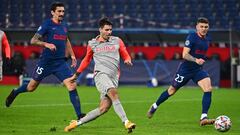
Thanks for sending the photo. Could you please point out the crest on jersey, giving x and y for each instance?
(187, 42)
(39, 28)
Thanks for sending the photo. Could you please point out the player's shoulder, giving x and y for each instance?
(114, 38)
(92, 42)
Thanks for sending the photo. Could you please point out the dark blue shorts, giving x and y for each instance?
(181, 78)
(60, 69)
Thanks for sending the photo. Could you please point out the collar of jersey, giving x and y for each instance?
(103, 41)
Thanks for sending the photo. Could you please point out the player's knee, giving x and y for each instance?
(171, 91)
(104, 108)
(71, 86)
(112, 93)
(208, 89)
(31, 88)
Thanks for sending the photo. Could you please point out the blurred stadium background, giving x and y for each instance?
(153, 30)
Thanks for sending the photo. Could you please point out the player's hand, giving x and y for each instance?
(200, 61)
(73, 78)
(74, 61)
(52, 47)
(128, 62)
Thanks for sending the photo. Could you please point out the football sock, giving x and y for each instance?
(204, 115)
(75, 102)
(90, 116)
(206, 101)
(163, 97)
(118, 108)
(21, 89)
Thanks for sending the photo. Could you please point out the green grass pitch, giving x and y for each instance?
(48, 110)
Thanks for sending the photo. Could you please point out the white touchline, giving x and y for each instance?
(96, 103)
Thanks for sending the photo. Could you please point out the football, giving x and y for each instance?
(222, 123)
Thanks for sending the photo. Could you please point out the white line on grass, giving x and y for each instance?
(96, 103)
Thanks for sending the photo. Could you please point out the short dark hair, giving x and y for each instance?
(104, 21)
(55, 5)
(202, 20)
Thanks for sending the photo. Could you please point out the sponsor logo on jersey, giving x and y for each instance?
(59, 37)
(106, 49)
(200, 52)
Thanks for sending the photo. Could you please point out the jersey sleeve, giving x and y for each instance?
(123, 51)
(86, 60)
(42, 30)
(189, 41)
(6, 46)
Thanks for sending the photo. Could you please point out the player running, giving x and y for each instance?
(106, 51)
(52, 61)
(194, 55)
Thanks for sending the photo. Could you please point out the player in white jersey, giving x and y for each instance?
(106, 51)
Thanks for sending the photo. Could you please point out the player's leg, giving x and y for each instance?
(30, 87)
(179, 80)
(204, 82)
(162, 98)
(118, 108)
(104, 106)
(63, 72)
(107, 85)
(74, 98)
(39, 73)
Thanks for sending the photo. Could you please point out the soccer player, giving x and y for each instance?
(52, 61)
(106, 51)
(4, 47)
(194, 55)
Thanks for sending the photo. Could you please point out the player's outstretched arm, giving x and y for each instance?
(36, 40)
(86, 61)
(84, 64)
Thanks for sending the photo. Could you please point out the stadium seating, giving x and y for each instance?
(222, 14)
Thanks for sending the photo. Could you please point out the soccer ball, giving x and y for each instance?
(222, 123)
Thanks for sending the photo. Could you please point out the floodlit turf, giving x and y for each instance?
(48, 110)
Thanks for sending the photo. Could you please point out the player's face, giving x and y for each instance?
(202, 28)
(58, 14)
(106, 31)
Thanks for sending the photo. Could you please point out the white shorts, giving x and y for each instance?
(104, 81)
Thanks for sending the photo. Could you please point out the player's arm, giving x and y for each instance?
(84, 64)
(70, 51)
(189, 57)
(37, 40)
(124, 54)
(6, 46)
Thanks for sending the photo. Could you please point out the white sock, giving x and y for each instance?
(125, 122)
(155, 106)
(204, 115)
(79, 122)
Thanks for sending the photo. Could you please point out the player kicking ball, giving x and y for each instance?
(194, 55)
(106, 51)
